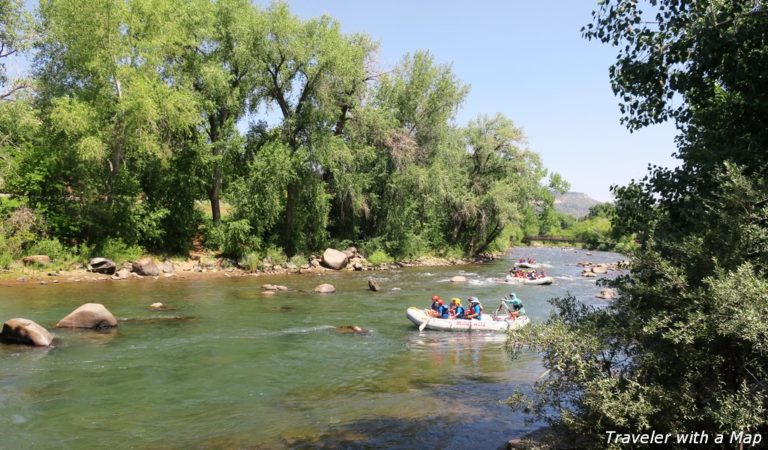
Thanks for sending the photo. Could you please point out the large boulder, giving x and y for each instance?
(373, 285)
(40, 260)
(325, 289)
(146, 267)
(334, 259)
(600, 269)
(89, 315)
(25, 331)
(101, 265)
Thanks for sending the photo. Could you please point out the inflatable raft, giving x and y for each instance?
(418, 316)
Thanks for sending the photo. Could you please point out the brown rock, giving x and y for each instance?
(40, 260)
(325, 289)
(274, 287)
(146, 267)
(89, 315)
(600, 269)
(25, 331)
(588, 274)
(157, 306)
(458, 279)
(168, 267)
(334, 259)
(373, 285)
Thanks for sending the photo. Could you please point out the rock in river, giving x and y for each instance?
(25, 331)
(325, 289)
(459, 279)
(89, 315)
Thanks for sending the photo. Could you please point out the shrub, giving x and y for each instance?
(238, 240)
(50, 247)
(250, 262)
(276, 255)
(298, 260)
(117, 250)
(380, 257)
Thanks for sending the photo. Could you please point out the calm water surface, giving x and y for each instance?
(229, 367)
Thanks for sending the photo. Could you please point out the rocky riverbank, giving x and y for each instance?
(41, 270)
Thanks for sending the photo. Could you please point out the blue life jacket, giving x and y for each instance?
(435, 306)
(443, 311)
(459, 312)
(476, 308)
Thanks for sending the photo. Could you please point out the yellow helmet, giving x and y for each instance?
(456, 301)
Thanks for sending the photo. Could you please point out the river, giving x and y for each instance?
(228, 367)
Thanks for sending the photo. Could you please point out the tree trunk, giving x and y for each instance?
(289, 244)
(214, 194)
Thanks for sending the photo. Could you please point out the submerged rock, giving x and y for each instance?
(25, 331)
(89, 315)
(608, 294)
(458, 279)
(325, 289)
(274, 287)
(351, 329)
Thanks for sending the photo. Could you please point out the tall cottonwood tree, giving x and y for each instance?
(222, 68)
(109, 113)
(310, 72)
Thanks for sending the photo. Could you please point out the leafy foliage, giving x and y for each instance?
(683, 348)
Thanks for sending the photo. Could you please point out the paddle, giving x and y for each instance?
(424, 324)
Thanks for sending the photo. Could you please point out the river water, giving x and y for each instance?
(228, 367)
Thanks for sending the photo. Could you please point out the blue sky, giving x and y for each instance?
(528, 61)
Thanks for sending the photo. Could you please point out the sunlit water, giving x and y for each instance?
(228, 367)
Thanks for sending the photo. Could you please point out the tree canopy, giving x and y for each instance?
(143, 111)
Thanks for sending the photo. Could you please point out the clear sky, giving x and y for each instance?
(528, 61)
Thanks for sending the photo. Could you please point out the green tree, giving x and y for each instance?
(503, 180)
(221, 67)
(110, 118)
(311, 73)
(15, 26)
(683, 348)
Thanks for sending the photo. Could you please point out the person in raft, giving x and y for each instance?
(457, 311)
(439, 309)
(513, 305)
(475, 309)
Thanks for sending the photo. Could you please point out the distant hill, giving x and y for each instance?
(576, 204)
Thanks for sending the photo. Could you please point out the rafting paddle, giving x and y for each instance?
(424, 324)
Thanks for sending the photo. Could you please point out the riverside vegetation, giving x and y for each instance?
(134, 112)
(683, 348)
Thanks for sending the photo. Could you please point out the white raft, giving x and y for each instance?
(539, 281)
(527, 265)
(418, 316)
